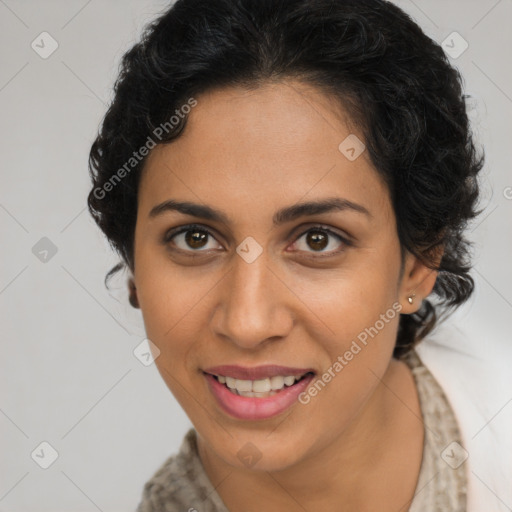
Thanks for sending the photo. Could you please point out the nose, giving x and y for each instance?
(255, 306)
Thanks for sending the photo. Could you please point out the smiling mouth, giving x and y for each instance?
(260, 388)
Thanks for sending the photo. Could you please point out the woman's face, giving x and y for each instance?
(260, 284)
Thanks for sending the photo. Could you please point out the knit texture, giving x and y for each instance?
(442, 482)
(182, 485)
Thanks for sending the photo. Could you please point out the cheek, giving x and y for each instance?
(174, 305)
(358, 356)
(170, 309)
(354, 300)
(362, 311)
(166, 295)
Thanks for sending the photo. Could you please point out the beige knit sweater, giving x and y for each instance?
(182, 485)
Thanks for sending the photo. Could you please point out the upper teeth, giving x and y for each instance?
(261, 385)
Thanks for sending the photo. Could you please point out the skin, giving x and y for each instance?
(357, 445)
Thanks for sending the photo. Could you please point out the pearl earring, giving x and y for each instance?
(410, 299)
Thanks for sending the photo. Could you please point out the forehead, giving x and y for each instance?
(272, 145)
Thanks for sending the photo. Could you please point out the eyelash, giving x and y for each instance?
(191, 227)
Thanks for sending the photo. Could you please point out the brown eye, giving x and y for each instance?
(191, 239)
(317, 240)
(321, 240)
(196, 239)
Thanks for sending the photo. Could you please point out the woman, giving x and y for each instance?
(288, 183)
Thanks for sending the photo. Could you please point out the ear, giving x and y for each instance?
(132, 290)
(418, 280)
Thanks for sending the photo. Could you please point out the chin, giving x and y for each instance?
(265, 451)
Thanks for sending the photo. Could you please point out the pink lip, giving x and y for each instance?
(257, 372)
(247, 408)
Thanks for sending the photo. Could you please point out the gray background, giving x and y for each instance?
(69, 374)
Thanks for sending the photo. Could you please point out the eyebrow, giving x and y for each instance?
(282, 216)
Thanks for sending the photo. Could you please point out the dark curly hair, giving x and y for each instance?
(395, 82)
